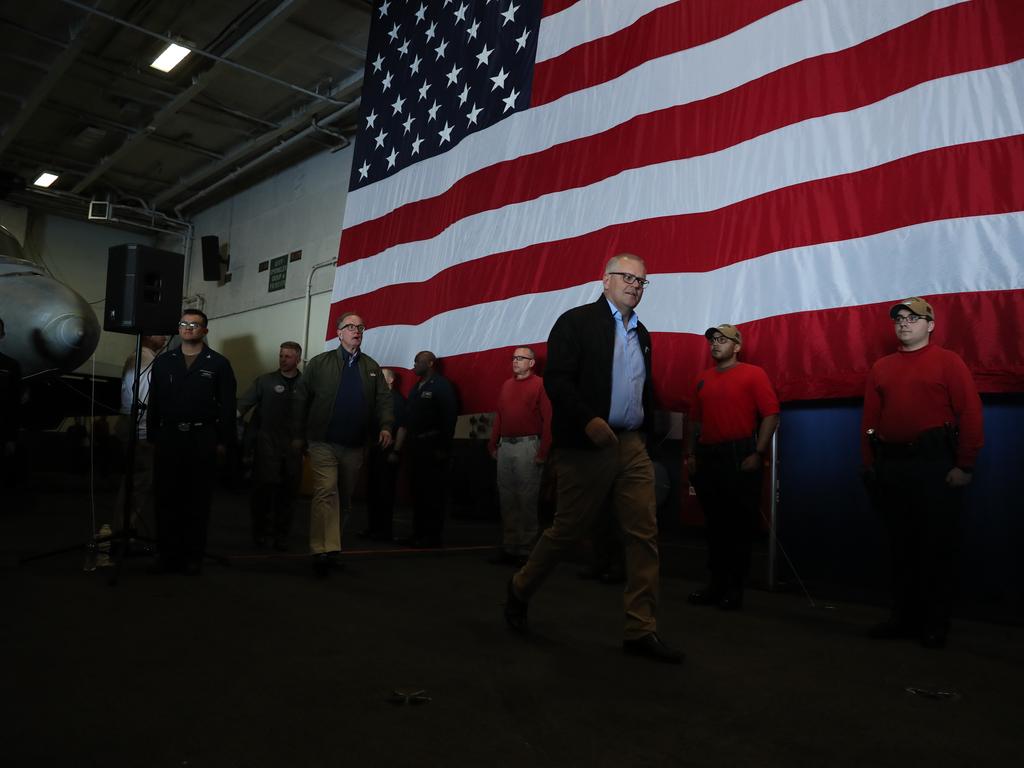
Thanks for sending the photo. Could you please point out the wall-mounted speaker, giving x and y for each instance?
(211, 258)
(144, 288)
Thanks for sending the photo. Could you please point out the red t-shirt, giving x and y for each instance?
(730, 403)
(523, 409)
(908, 393)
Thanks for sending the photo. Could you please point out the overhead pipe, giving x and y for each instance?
(276, 149)
(353, 83)
(309, 301)
(207, 54)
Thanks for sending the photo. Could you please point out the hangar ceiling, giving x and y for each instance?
(269, 83)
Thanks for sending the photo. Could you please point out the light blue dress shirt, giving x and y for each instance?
(628, 374)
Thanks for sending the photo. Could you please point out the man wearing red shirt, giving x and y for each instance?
(734, 413)
(520, 441)
(921, 432)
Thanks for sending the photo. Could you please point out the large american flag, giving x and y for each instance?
(790, 167)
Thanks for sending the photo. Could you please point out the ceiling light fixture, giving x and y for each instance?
(45, 179)
(170, 57)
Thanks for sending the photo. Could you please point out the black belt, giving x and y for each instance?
(734, 448)
(519, 439)
(935, 442)
(188, 426)
(428, 433)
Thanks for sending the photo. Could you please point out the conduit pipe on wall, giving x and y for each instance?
(309, 301)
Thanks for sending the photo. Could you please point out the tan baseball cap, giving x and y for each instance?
(729, 331)
(914, 304)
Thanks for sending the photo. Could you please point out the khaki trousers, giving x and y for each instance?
(518, 488)
(623, 476)
(334, 470)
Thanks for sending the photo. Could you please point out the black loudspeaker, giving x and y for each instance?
(143, 290)
(211, 258)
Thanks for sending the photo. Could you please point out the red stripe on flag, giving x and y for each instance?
(551, 7)
(966, 180)
(808, 338)
(665, 30)
(954, 40)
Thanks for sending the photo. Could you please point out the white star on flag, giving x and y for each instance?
(521, 40)
(453, 76)
(510, 100)
(499, 79)
(509, 14)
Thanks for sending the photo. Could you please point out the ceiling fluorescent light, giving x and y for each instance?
(45, 179)
(170, 57)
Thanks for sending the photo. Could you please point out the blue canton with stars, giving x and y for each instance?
(436, 71)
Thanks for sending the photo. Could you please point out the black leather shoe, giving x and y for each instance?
(613, 576)
(515, 609)
(892, 629)
(934, 640)
(501, 557)
(651, 647)
(321, 566)
(706, 596)
(732, 600)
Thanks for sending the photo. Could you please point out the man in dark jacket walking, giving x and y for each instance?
(599, 382)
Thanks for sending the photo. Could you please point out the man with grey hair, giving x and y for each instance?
(599, 381)
(340, 396)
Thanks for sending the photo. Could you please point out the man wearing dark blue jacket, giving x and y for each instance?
(191, 418)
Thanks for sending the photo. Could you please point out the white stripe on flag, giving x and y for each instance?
(934, 114)
(793, 34)
(950, 256)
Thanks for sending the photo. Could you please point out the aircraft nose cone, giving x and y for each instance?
(67, 339)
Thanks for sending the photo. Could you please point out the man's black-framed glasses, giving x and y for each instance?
(910, 319)
(630, 279)
(520, 358)
(190, 324)
(719, 340)
(353, 327)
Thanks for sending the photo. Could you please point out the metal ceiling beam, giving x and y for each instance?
(266, 25)
(53, 75)
(106, 122)
(312, 128)
(261, 142)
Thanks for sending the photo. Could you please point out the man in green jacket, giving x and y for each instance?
(341, 394)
